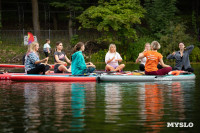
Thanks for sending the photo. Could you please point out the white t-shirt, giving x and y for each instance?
(143, 61)
(46, 45)
(110, 56)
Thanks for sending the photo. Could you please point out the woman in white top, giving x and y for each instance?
(112, 58)
(143, 60)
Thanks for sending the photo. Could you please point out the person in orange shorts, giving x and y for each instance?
(153, 58)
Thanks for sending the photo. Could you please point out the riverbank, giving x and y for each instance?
(12, 54)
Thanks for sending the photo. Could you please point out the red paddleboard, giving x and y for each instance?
(15, 66)
(54, 78)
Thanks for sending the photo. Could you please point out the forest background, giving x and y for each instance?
(127, 23)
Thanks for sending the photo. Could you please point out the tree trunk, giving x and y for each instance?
(35, 13)
(197, 16)
(55, 22)
(0, 14)
(70, 26)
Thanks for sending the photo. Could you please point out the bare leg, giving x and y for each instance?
(120, 67)
(47, 72)
(109, 68)
(63, 69)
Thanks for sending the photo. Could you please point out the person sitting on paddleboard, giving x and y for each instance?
(153, 58)
(143, 60)
(59, 59)
(182, 58)
(112, 58)
(78, 63)
(33, 65)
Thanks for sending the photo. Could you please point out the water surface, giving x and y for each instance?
(40, 107)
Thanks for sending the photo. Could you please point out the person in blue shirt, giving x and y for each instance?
(33, 65)
(182, 58)
(78, 65)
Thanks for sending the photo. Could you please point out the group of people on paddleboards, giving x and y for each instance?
(151, 60)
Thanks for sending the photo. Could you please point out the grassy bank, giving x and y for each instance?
(12, 54)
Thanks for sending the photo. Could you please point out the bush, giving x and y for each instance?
(174, 35)
(135, 48)
(195, 56)
(99, 56)
(74, 40)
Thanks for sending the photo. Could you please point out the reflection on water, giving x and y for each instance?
(113, 102)
(91, 107)
(153, 107)
(78, 106)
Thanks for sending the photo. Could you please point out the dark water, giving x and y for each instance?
(90, 107)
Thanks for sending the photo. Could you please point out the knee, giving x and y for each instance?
(123, 65)
(61, 67)
(108, 66)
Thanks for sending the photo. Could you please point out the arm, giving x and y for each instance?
(80, 62)
(48, 50)
(119, 58)
(110, 60)
(90, 65)
(67, 59)
(107, 60)
(171, 56)
(34, 59)
(59, 61)
(40, 61)
(162, 63)
(190, 48)
(141, 55)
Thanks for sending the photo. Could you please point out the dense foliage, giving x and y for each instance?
(127, 23)
(114, 18)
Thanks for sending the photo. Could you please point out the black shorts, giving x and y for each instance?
(38, 69)
(56, 70)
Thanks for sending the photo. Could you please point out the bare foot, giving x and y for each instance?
(47, 72)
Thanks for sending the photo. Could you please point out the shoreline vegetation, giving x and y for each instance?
(126, 23)
(13, 55)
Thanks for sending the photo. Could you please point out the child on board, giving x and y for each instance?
(112, 58)
(153, 58)
(79, 66)
(59, 59)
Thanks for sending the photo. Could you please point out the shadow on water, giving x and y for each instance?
(93, 107)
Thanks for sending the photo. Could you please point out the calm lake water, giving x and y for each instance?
(41, 107)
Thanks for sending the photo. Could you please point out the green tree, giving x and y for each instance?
(115, 19)
(175, 35)
(159, 14)
(70, 6)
